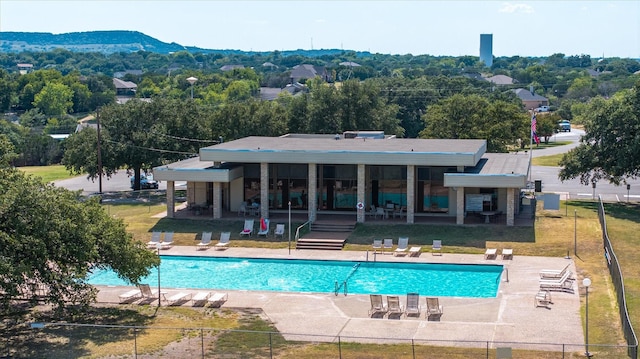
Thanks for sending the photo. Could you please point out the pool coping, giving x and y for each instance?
(511, 317)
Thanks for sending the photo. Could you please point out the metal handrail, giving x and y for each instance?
(297, 236)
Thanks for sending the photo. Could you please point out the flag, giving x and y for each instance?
(534, 125)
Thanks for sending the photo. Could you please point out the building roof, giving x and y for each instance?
(326, 149)
(501, 80)
(120, 84)
(526, 95)
(349, 64)
(231, 67)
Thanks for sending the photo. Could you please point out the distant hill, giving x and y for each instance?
(108, 42)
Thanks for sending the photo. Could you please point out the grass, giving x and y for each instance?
(48, 173)
(552, 235)
(552, 160)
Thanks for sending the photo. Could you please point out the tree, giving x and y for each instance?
(610, 148)
(51, 240)
(55, 99)
(500, 122)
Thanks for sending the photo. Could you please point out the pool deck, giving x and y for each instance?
(506, 320)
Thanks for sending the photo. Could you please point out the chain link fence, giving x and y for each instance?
(67, 340)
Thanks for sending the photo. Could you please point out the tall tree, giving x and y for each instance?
(55, 99)
(610, 148)
(50, 241)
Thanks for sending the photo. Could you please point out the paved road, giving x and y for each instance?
(573, 188)
(119, 182)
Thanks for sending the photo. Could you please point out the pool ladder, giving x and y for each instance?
(344, 283)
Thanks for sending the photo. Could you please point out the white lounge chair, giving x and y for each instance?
(434, 309)
(167, 242)
(200, 299)
(223, 243)
(564, 283)
(147, 293)
(217, 299)
(413, 304)
(205, 242)
(377, 245)
(179, 298)
(507, 253)
(264, 227)
(248, 228)
(554, 273)
(387, 243)
(279, 231)
(415, 251)
(155, 240)
(393, 305)
(437, 247)
(403, 244)
(377, 305)
(491, 253)
(130, 296)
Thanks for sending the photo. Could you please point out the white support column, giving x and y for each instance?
(171, 202)
(460, 205)
(411, 193)
(264, 190)
(312, 199)
(361, 181)
(511, 205)
(217, 200)
(217, 197)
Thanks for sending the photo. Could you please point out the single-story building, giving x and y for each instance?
(350, 173)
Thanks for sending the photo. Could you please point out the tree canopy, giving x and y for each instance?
(610, 148)
(50, 240)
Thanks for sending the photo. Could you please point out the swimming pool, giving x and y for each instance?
(318, 276)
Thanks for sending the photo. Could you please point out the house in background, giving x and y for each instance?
(272, 93)
(24, 69)
(531, 100)
(125, 90)
(306, 71)
(500, 80)
(121, 74)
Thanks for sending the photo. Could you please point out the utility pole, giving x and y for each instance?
(99, 153)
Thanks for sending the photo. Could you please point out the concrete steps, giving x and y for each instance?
(326, 235)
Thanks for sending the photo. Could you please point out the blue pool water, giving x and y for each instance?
(315, 276)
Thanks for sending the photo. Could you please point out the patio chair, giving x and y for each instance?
(155, 239)
(130, 296)
(403, 244)
(379, 212)
(564, 283)
(554, 273)
(387, 244)
(147, 293)
(279, 231)
(413, 304)
(243, 209)
(434, 309)
(179, 298)
(399, 211)
(264, 227)
(377, 245)
(372, 211)
(415, 251)
(200, 299)
(437, 247)
(205, 242)
(223, 243)
(490, 253)
(377, 306)
(394, 306)
(167, 242)
(248, 228)
(542, 299)
(217, 299)
(507, 253)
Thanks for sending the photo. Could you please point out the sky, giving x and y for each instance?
(418, 27)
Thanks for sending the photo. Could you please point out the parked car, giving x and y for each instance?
(564, 126)
(146, 182)
(542, 109)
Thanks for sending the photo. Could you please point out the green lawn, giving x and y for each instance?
(48, 173)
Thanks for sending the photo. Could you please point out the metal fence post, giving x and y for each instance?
(202, 341)
(135, 343)
(270, 347)
(413, 348)
(339, 348)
